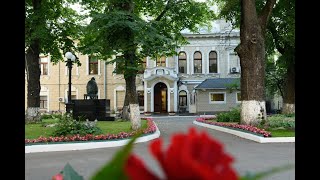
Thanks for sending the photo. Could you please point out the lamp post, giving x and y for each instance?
(70, 59)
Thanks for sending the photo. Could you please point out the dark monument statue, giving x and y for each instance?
(92, 108)
(92, 88)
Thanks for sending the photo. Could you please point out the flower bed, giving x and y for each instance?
(151, 128)
(246, 128)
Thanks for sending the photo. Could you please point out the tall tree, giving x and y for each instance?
(253, 17)
(49, 29)
(134, 29)
(282, 30)
(280, 37)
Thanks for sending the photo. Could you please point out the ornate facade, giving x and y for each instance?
(168, 84)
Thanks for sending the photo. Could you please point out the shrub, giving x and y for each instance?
(280, 120)
(232, 116)
(69, 126)
(51, 116)
(46, 116)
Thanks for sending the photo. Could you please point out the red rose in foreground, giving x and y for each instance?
(189, 156)
(57, 177)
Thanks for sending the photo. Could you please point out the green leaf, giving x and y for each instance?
(70, 174)
(114, 168)
(260, 175)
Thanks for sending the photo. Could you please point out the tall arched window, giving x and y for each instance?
(213, 62)
(197, 59)
(182, 62)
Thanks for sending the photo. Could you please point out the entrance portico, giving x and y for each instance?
(160, 84)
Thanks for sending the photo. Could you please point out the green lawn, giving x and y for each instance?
(282, 133)
(33, 131)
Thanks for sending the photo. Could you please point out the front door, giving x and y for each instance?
(160, 98)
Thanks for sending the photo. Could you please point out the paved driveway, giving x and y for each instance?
(249, 155)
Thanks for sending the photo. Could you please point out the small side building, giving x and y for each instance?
(217, 95)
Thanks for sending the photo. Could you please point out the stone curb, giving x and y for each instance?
(88, 145)
(249, 136)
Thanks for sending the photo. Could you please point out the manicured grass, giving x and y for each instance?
(282, 133)
(33, 131)
(115, 127)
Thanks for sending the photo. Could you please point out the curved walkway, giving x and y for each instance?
(249, 155)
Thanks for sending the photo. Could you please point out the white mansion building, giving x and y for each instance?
(195, 81)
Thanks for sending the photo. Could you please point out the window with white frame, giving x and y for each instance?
(213, 62)
(161, 61)
(44, 102)
(44, 65)
(217, 97)
(197, 59)
(182, 61)
(93, 65)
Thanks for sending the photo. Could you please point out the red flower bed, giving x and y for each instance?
(151, 128)
(247, 128)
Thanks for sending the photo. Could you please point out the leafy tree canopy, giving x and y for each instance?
(53, 24)
(282, 21)
(156, 26)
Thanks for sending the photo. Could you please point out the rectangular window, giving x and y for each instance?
(161, 61)
(217, 97)
(93, 65)
(44, 65)
(43, 102)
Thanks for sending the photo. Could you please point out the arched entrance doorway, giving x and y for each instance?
(160, 98)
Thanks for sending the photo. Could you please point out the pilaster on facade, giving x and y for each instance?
(175, 96)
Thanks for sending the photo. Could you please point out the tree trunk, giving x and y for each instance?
(130, 72)
(33, 68)
(125, 110)
(289, 92)
(132, 98)
(33, 80)
(287, 51)
(135, 116)
(251, 51)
